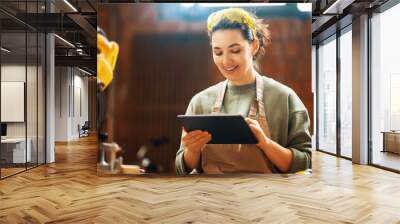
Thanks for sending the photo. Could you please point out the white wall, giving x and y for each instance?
(80, 110)
(61, 103)
(16, 73)
(71, 94)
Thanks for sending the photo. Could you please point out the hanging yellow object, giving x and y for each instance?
(106, 60)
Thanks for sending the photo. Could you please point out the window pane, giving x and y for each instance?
(386, 88)
(345, 94)
(327, 96)
(41, 99)
(15, 150)
(31, 100)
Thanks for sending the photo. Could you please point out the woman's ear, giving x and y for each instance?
(255, 46)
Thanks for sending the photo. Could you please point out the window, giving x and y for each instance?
(326, 96)
(385, 88)
(346, 93)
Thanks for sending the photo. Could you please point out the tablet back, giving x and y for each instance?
(224, 129)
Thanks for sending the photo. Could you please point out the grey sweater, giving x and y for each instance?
(287, 118)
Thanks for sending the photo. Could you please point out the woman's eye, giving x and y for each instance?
(236, 51)
(218, 53)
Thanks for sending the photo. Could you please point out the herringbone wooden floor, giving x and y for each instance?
(69, 191)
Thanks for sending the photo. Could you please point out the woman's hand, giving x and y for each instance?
(278, 155)
(255, 127)
(195, 141)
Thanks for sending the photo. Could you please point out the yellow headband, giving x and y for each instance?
(233, 15)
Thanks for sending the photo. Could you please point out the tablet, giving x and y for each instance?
(224, 129)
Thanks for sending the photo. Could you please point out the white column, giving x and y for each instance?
(50, 99)
(50, 93)
(360, 90)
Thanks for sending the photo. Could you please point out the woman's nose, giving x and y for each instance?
(226, 59)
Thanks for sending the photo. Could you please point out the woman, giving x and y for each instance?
(273, 111)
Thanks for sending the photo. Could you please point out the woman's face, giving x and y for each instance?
(233, 55)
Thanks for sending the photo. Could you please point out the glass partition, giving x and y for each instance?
(22, 89)
(41, 91)
(15, 151)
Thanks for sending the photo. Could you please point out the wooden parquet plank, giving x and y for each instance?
(70, 191)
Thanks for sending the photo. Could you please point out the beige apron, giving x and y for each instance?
(231, 158)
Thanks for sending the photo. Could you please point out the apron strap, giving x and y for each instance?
(220, 97)
(255, 106)
(262, 119)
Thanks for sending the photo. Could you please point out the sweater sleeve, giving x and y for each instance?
(180, 165)
(299, 141)
(299, 138)
(201, 103)
(179, 161)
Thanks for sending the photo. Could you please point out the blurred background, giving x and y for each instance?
(165, 59)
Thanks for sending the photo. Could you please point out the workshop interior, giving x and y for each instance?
(165, 58)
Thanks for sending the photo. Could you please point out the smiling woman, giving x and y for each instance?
(274, 112)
